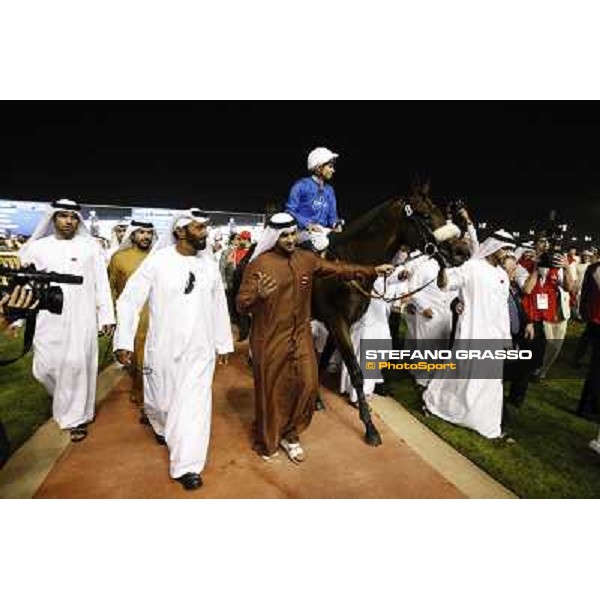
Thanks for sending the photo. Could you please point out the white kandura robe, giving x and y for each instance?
(65, 346)
(411, 267)
(439, 326)
(474, 403)
(320, 334)
(373, 325)
(184, 334)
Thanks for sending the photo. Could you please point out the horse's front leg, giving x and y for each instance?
(341, 334)
(324, 359)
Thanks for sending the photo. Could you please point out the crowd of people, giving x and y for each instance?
(169, 302)
(11, 243)
(521, 295)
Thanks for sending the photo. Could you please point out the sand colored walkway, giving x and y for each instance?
(120, 458)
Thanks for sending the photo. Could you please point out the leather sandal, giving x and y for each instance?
(160, 439)
(270, 457)
(78, 433)
(293, 450)
(190, 481)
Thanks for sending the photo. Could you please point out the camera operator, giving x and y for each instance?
(546, 286)
(65, 346)
(19, 299)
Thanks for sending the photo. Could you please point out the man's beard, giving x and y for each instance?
(67, 234)
(199, 243)
(143, 245)
(284, 249)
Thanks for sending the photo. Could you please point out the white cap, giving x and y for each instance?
(320, 156)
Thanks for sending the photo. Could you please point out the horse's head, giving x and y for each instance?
(422, 225)
(414, 221)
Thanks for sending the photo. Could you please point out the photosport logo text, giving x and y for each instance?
(467, 359)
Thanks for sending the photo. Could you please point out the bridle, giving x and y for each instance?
(429, 247)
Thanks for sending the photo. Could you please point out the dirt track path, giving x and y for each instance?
(120, 458)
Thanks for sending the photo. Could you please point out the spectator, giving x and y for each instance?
(572, 257)
(579, 273)
(482, 287)
(517, 372)
(589, 403)
(546, 300)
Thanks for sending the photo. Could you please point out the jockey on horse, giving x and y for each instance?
(312, 201)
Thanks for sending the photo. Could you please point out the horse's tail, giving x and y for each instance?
(242, 321)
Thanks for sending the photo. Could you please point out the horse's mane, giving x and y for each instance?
(358, 225)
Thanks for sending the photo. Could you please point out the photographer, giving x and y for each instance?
(65, 346)
(19, 299)
(546, 286)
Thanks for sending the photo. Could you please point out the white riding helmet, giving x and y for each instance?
(320, 156)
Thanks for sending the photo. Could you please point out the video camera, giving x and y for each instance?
(49, 297)
(554, 235)
(457, 205)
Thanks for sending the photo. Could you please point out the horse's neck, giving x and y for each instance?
(369, 249)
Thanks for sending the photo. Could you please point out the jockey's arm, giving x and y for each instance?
(332, 215)
(294, 203)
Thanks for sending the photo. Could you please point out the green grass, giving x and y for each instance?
(24, 403)
(551, 457)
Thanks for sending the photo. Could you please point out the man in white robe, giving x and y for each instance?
(432, 304)
(65, 346)
(483, 288)
(189, 325)
(117, 235)
(374, 325)
(433, 315)
(411, 266)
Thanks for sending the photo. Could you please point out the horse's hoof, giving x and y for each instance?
(373, 438)
(319, 405)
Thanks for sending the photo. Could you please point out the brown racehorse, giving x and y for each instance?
(372, 239)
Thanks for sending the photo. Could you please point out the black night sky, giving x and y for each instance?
(512, 162)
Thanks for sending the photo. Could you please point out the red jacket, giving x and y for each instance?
(549, 289)
(590, 296)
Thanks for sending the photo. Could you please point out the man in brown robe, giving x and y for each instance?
(276, 291)
(134, 248)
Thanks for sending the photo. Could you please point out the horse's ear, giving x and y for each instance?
(415, 186)
(427, 187)
(397, 203)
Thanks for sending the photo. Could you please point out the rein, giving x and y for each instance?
(374, 295)
(426, 236)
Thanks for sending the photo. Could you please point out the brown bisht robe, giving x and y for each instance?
(283, 356)
(122, 266)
